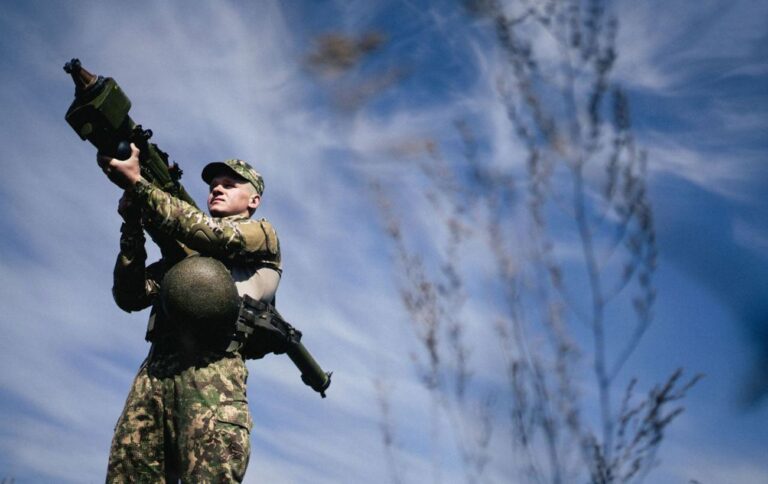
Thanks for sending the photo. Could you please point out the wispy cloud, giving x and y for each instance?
(669, 46)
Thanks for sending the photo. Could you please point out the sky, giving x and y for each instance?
(217, 80)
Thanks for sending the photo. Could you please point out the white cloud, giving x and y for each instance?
(722, 173)
(667, 46)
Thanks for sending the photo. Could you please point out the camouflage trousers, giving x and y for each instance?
(184, 420)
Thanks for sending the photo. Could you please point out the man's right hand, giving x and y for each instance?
(123, 173)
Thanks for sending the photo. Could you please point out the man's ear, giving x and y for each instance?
(254, 202)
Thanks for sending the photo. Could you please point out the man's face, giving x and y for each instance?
(231, 195)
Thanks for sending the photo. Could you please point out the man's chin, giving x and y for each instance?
(221, 213)
(216, 211)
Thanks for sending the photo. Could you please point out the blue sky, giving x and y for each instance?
(226, 79)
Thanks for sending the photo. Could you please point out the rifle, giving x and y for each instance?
(262, 319)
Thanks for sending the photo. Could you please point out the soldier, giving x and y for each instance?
(186, 416)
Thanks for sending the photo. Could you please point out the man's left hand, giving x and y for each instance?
(123, 173)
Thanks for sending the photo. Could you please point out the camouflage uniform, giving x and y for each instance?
(186, 416)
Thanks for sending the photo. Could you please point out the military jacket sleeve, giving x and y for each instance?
(134, 285)
(231, 238)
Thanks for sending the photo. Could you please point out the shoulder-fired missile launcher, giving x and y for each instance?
(99, 114)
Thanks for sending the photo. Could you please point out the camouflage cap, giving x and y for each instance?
(239, 167)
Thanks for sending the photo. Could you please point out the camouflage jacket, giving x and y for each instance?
(237, 241)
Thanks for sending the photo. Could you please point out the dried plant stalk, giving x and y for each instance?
(584, 181)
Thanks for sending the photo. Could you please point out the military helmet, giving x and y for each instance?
(199, 296)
